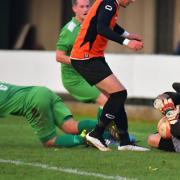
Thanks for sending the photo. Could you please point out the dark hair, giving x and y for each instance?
(74, 2)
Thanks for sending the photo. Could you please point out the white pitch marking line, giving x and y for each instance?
(61, 169)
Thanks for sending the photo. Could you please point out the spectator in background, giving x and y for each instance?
(177, 50)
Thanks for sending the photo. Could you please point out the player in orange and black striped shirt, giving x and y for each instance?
(99, 26)
(87, 57)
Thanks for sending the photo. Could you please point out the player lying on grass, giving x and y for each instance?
(44, 111)
(168, 104)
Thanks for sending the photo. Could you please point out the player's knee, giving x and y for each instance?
(70, 126)
(153, 140)
(150, 140)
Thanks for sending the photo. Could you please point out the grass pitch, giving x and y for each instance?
(23, 157)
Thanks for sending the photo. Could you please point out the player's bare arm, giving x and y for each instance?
(133, 36)
(122, 32)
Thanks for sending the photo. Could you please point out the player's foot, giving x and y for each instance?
(132, 148)
(97, 142)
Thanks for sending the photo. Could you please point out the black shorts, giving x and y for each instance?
(93, 70)
(166, 145)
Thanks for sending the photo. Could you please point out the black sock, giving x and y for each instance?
(98, 131)
(114, 111)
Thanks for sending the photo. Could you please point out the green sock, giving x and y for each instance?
(99, 113)
(89, 125)
(68, 140)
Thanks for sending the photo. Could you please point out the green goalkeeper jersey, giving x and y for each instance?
(42, 108)
(65, 43)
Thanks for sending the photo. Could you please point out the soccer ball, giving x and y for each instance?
(164, 128)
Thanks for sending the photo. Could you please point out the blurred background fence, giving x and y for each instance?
(145, 76)
(33, 24)
(29, 31)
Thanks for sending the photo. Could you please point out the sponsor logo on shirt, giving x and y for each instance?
(86, 55)
(108, 7)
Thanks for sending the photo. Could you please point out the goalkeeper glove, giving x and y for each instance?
(166, 106)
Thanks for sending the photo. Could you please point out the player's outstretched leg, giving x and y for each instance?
(66, 140)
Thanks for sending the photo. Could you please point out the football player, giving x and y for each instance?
(44, 111)
(74, 83)
(168, 104)
(87, 58)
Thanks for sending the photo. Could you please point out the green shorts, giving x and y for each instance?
(83, 91)
(44, 111)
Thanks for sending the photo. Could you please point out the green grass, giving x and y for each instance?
(17, 142)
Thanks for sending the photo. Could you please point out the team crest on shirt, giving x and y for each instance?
(3, 87)
(71, 26)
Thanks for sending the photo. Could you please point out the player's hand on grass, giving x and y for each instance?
(135, 45)
(134, 37)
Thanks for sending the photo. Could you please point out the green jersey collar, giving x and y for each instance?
(76, 21)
